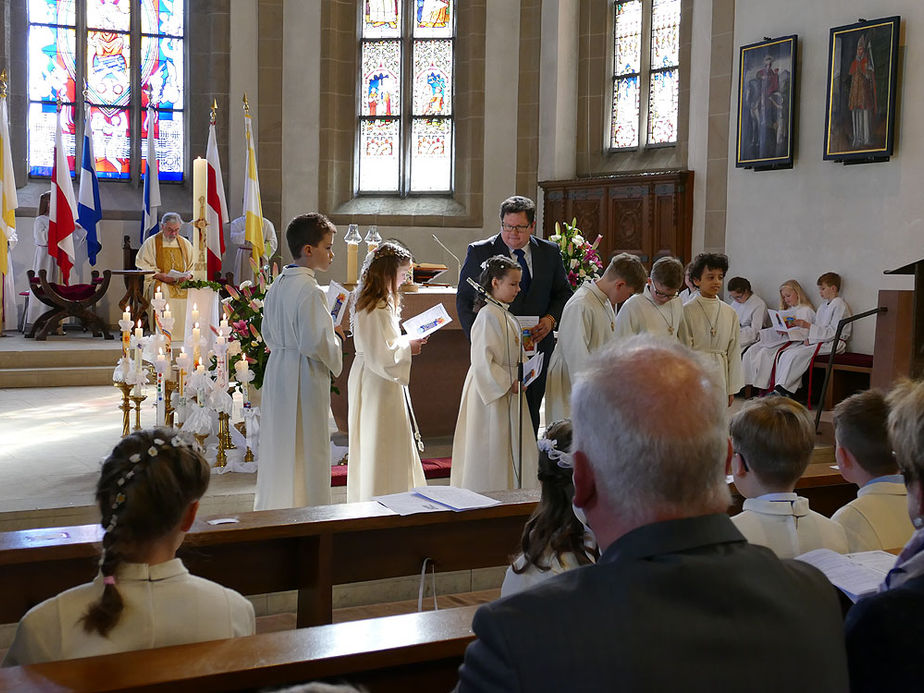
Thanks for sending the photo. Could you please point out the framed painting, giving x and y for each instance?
(862, 87)
(766, 89)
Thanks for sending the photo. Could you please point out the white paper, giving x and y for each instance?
(222, 521)
(427, 323)
(455, 498)
(532, 369)
(527, 323)
(176, 274)
(409, 503)
(856, 574)
(781, 321)
(338, 298)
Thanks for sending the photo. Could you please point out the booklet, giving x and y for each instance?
(854, 574)
(783, 321)
(532, 368)
(528, 322)
(338, 298)
(428, 322)
(429, 499)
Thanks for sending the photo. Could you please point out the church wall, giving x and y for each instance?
(823, 216)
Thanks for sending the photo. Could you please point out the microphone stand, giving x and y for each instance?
(454, 257)
(518, 468)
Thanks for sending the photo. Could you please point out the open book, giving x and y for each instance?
(854, 574)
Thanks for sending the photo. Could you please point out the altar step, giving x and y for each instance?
(61, 361)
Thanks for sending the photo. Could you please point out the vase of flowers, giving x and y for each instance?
(579, 256)
(244, 308)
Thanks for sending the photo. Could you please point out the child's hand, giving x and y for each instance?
(416, 344)
(802, 323)
(515, 387)
(339, 330)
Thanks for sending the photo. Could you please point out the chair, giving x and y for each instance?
(65, 301)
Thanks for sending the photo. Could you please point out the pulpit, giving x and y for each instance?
(899, 350)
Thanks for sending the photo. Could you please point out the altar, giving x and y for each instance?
(437, 374)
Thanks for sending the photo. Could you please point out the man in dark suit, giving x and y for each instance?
(544, 287)
(678, 600)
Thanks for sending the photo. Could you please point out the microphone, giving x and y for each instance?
(479, 289)
(458, 262)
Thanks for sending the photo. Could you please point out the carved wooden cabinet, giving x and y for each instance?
(647, 214)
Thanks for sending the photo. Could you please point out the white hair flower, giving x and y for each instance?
(550, 448)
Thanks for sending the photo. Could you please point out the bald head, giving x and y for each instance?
(651, 419)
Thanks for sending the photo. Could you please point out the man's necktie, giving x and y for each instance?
(527, 278)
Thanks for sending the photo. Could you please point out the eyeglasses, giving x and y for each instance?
(662, 293)
(518, 229)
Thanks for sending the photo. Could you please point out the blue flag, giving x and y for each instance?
(89, 211)
(151, 183)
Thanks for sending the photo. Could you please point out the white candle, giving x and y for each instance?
(167, 313)
(158, 294)
(200, 188)
(126, 316)
(195, 313)
(352, 273)
(139, 333)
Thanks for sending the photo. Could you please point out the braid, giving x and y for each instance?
(103, 614)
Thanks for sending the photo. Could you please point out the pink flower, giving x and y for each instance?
(232, 291)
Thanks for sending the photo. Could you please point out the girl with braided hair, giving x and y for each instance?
(383, 455)
(143, 597)
(554, 538)
(493, 416)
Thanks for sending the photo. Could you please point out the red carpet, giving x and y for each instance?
(434, 468)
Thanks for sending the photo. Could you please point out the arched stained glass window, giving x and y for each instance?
(122, 53)
(646, 73)
(405, 121)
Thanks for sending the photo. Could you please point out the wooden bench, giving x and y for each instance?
(304, 549)
(395, 653)
(851, 373)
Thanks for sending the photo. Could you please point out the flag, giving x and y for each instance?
(253, 210)
(216, 213)
(63, 212)
(9, 203)
(89, 210)
(151, 183)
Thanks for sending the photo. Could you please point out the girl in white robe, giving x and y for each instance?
(383, 453)
(751, 310)
(792, 363)
(758, 361)
(294, 460)
(148, 494)
(494, 430)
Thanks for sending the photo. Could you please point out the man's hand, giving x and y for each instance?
(542, 328)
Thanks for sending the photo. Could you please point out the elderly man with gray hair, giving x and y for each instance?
(678, 600)
(170, 257)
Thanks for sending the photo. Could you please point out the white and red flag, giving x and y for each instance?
(63, 211)
(216, 208)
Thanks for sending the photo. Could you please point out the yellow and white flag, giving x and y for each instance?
(253, 209)
(9, 202)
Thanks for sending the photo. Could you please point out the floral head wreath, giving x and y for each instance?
(550, 448)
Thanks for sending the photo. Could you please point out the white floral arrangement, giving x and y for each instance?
(579, 256)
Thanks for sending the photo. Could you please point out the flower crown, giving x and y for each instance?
(550, 448)
(388, 249)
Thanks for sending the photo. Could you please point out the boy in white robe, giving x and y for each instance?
(588, 321)
(878, 517)
(241, 267)
(751, 310)
(305, 351)
(710, 325)
(772, 439)
(657, 310)
(795, 360)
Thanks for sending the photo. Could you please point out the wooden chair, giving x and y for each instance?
(68, 301)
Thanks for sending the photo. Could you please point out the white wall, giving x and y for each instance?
(823, 216)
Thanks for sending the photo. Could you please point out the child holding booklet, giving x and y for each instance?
(383, 455)
(758, 361)
(794, 361)
(710, 325)
(305, 351)
(493, 417)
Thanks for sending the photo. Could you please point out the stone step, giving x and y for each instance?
(61, 357)
(64, 376)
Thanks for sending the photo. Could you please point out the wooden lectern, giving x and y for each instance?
(900, 331)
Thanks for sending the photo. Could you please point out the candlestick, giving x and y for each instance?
(352, 239)
(200, 191)
(372, 239)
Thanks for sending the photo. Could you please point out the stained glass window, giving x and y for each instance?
(646, 75)
(406, 96)
(92, 42)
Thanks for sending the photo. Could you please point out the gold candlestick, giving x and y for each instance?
(126, 406)
(137, 399)
(241, 426)
(169, 387)
(224, 439)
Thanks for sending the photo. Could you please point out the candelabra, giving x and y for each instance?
(126, 406)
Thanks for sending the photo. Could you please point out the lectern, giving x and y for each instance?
(900, 337)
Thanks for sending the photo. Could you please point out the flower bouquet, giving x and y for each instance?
(244, 308)
(579, 256)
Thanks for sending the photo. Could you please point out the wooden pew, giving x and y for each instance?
(304, 549)
(395, 653)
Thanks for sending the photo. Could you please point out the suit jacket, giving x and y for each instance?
(679, 605)
(548, 292)
(884, 634)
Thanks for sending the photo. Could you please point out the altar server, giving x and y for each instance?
(794, 361)
(657, 310)
(751, 310)
(305, 352)
(494, 432)
(710, 325)
(170, 256)
(587, 323)
(241, 268)
(758, 362)
(143, 596)
(383, 454)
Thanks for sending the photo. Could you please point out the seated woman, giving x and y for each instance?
(143, 596)
(554, 538)
(884, 631)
